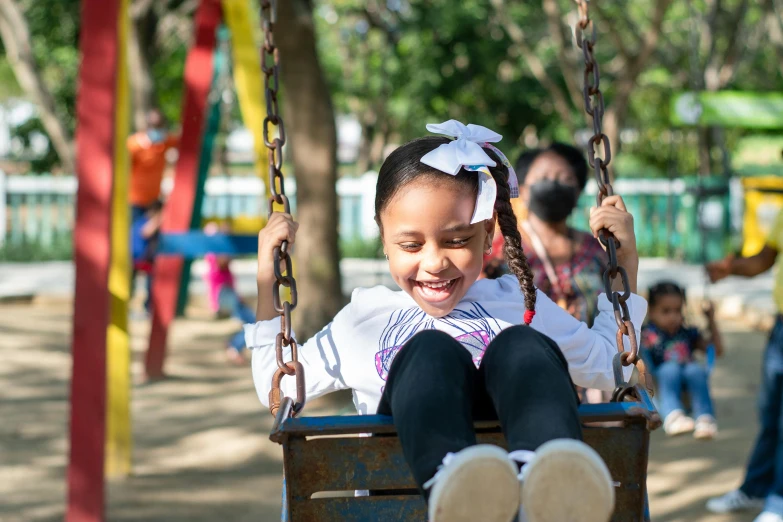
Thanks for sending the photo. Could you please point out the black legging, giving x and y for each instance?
(435, 392)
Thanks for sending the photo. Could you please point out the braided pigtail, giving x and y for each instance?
(512, 248)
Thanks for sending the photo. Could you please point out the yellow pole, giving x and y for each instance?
(243, 23)
(119, 441)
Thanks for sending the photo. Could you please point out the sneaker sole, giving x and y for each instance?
(567, 482)
(479, 485)
(717, 505)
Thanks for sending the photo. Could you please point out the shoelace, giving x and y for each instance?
(446, 461)
(520, 457)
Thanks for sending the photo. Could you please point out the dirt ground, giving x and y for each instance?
(201, 447)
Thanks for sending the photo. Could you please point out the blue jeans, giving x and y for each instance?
(764, 474)
(672, 378)
(230, 302)
(138, 212)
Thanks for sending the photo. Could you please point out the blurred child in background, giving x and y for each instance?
(145, 233)
(668, 347)
(223, 298)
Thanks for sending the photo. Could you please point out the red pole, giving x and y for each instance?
(178, 210)
(95, 110)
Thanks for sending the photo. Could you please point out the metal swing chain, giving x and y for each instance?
(285, 277)
(224, 94)
(594, 106)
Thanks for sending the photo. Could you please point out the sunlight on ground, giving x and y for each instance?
(201, 448)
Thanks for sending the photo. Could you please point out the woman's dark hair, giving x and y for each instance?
(573, 156)
(663, 289)
(404, 166)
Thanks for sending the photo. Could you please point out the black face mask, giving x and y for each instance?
(551, 200)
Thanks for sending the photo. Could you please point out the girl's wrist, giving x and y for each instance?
(629, 262)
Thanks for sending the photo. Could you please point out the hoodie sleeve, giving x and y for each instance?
(589, 351)
(319, 357)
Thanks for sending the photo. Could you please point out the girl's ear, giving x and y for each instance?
(489, 226)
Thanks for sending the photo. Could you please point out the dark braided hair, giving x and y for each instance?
(404, 166)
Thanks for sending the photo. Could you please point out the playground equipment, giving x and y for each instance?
(100, 428)
(344, 462)
(183, 209)
(748, 110)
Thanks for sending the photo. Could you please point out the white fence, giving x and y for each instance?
(40, 209)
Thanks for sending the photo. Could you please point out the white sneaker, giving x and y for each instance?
(677, 423)
(706, 428)
(733, 501)
(566, 481)
(477, 484)
(768, 516)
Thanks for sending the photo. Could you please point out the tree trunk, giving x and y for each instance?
(705, 147)
(312, 134)
(15, 34)
(142, 49)
(363, 159)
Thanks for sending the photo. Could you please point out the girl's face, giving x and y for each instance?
(435, 254)
(667, 313)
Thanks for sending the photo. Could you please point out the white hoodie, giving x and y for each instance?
(356, 349)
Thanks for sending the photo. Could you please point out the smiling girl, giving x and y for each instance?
(447, 349)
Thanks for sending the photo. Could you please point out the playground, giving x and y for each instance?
(126, 401)
(200, 451)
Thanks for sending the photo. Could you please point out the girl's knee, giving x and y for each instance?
(435, 344)
(668, 368)
(523, 345)
(695, 370)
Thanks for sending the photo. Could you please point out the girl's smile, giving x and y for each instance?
(436, 291)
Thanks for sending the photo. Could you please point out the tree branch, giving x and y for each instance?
(140, 8)
(517, 36)
(721, 69)
(15, 34)
(373, 16)
(567, 62)
(178, 22)
(616, 112)
(668, 58)
(774, 26)
(709, 26)
(649, 41)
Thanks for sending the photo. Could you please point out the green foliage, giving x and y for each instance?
(60, 249)
(398, 64)
(429, 60)
(361, 248)
(54, 29)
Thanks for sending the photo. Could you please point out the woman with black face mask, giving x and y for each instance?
(567, 264)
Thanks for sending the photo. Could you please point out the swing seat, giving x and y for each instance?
(326, 460)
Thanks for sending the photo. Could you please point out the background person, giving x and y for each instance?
(148, 161)
(567, 264)
(763, 484)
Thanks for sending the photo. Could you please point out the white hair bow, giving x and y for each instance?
(467, 151)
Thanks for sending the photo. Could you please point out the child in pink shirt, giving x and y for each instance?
(224, 300)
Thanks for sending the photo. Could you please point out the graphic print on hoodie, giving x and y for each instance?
(473, 327)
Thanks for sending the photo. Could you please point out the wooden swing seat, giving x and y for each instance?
(326, 461)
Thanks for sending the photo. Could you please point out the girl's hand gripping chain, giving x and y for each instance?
(280, 227)
(613, 216)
